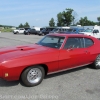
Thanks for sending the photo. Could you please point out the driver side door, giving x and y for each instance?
(73, 54)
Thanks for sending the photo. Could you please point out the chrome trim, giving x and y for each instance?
(68, 69)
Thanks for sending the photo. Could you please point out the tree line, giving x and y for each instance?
(24, 26)
(20, 26)
(69, 17)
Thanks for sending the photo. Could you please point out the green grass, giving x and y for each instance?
(6, 30)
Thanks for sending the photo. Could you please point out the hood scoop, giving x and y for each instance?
(25, 48)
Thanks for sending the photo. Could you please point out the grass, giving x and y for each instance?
(6, 30)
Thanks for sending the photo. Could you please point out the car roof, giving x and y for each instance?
(72, 35)
(66, 35)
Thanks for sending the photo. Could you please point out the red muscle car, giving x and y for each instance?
(54, 53)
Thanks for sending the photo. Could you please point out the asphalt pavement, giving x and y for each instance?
(76, 84)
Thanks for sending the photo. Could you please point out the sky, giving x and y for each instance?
(39, 12)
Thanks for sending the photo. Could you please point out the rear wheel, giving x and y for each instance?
(97, 62)
(17, 32)
(33, 76)
(43, 34)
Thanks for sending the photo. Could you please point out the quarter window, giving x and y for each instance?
(88, 42)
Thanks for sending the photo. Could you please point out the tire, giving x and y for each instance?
(33, 76)
(17, 32)
(28, 33)
(97, 62)
(43, 34)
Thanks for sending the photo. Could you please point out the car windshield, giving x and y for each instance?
(55, 30)
(43, 30)
(88, 30)
(69, 30)
(52, 41)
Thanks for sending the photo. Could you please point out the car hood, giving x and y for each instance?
(10, 53)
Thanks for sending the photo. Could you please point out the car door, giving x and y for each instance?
(73, 54)
(89, 46)
(21, 30)
(33, 31)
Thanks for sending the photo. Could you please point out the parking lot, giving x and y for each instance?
(77, 84)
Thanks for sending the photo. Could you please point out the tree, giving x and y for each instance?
(26, 25)
(21, 25)
(51, 22)
(85, 22)
(65, 18)
(98, 18)
(59, 19)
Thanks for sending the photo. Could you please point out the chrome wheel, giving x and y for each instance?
(34, 75)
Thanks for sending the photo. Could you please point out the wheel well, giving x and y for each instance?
(45, 68)
(42, 65)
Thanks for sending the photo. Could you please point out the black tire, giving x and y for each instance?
(28, 33)
(33, 76)
(17, 32)
(97, 62)
(43, 34)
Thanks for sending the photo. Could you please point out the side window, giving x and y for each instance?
(33, 29)
(73, 43)
(96, 31)
(74, 30)
(22, 29)
(88, 42)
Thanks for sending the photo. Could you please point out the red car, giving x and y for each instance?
(54, 53)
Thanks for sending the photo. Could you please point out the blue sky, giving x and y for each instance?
(39, 12)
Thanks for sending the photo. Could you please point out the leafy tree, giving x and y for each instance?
(26, 24)
(59, 19)
(84, 21)
(0, 25)
(21, 25)
(98, 18)
(51, 22)
(65, 18)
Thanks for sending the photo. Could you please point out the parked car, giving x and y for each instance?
(45, 31)
(74, 30)
(59, 30)
(87, 32)
(31, 31)
(53, 53)
(20, 30)
(95, 32)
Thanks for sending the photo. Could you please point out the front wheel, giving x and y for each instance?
(97, 62)
(33, 76)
